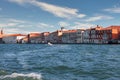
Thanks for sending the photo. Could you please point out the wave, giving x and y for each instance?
(30, 75)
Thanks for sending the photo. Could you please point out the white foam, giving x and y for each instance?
(15, 75)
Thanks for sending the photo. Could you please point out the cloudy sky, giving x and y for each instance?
(25, 16)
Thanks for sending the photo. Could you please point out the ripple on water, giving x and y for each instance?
(60, 62)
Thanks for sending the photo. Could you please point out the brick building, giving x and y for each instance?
(102, 35)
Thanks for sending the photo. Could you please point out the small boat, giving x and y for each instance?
(50, 44)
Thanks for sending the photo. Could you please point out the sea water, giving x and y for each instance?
(59, 62)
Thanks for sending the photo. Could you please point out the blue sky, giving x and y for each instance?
(25, 16)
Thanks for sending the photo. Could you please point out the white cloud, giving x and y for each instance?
(11, 22)
(79, 25)
(15, 27)
(113, 10)
(12, 25)
(63, 24)
(99, 17)
(81, 15)
(12, 30)
(17, 21)
(44, 25)
(19, 1)
(91, 19)
(8, 24)
(62, 12)
(15, 30)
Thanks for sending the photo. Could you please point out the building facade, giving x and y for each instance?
(86, 36)
(55, 37)
(44, 37)
(34, 38)
(79, 35)
(69, 36)
(101, 35)
(10, 39)
(1, 37)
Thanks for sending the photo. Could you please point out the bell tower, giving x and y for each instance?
(1, 32)
(1, 36)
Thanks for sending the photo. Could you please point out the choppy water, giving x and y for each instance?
(59, 62)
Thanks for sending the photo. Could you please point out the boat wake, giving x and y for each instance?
(50, 44)
(34, 76)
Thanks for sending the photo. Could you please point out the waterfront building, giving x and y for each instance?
(97, 34)
(69, 36)
(24, 40)
(1, 36)
(86, 36)
(79, 35)
(44, 37)
(1, 41)
(106, 35)
(102, 35)
(34, 38)
(10, 38)
(115, 31)
(55, 37)
(115, 34)
(20, 37)
(94, 35)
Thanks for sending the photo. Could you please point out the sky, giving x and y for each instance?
(26, 16)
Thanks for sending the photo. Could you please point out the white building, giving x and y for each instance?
(20, 38)
(86, 36)
(79, 35)
(10, 39)
(69, 36)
